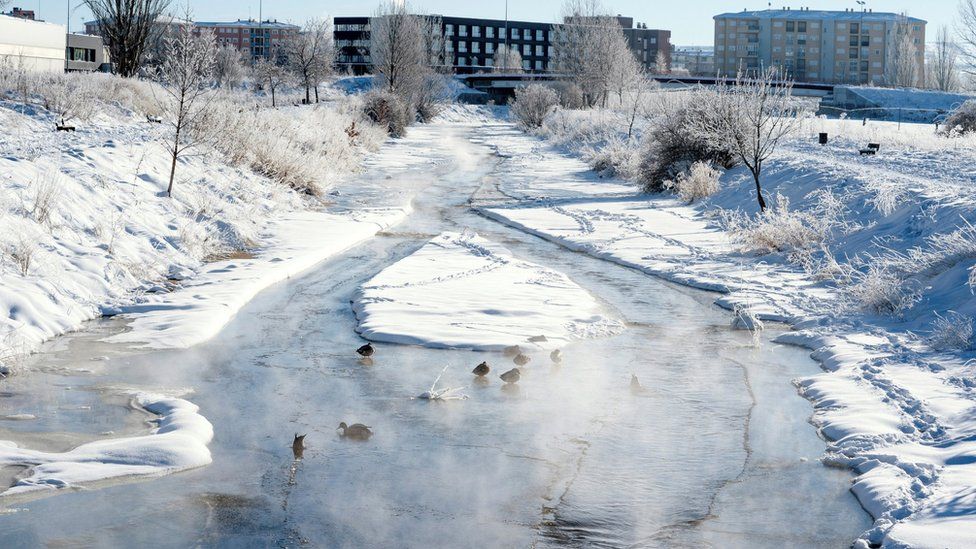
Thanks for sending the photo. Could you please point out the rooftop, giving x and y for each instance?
(248, 24)
(807, 14)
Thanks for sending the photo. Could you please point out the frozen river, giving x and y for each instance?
(716, 451)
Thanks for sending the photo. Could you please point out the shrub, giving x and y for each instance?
(780, 229)
(389, 111)
(533, 104)
(700, 181)
(962, 120)
(570, 95)
(672, 143)
(879, 290)
(952, 332)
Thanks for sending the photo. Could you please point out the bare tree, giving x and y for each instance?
(185, 74)
(310, 55)
(942, 66)
(398, 48)
(901, 65)
(507, 59)
(750, 119)
(228, 67)
(128, 27)
(589, 45)
(271, 75)
(966, 32)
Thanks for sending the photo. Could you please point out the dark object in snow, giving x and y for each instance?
(154, 119)
(823, 138)
(556, 356)
(871, 149)
(298, 446)
(366, 350)
(63, 128)
(512, 350)
(511, 376)
(356, 431)
(335, 193)
(481, 369)
(538, 339)
(521, 360)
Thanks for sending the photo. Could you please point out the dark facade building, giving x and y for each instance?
(87, 53)
(470, 44)
(21, 14)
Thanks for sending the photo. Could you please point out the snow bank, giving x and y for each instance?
(178, 442)
(463, 291)
(206, 303)
(893, 408)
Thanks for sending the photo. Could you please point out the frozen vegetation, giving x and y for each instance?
(870, 259)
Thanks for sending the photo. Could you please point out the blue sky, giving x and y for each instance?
(689, 20)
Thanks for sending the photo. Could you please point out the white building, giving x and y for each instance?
(33, 45)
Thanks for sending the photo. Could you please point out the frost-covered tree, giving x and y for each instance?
(229, 70)
(943, 75)
(271, 75)
(405, 48)
(129, 27)
(661, 65)
(532, 104)
(70, 95)
(185, 75)
(589, 45)
(750, 119)
(901, 65)
(507, 59)
(311, 54)
(966, 32)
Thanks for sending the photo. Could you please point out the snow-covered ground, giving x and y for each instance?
(177, 442)
(463, 291)
(898, 411)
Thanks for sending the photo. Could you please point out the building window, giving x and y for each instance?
(489, 62)
(462, 30)
(490, 32)
(462, 61)
(526, 50)
(801, 26)
(539, 35)
(449, 29)
(463, 47)
(476, 31)
(475, 47)
(654, 40)
(538, 51)
(526, 64)
(490, 47)
(538, 65)
(515, 34)
(790, 26)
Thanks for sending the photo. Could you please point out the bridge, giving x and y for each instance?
(501, 87)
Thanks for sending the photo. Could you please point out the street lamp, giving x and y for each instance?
(860, 29)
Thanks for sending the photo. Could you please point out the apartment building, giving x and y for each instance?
(255, 39)
(470, 43)
(693, 60)
(853, 47)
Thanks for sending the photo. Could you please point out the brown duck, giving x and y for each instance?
(511, 376)
(298, 446)
(366, 350)
(481, 369)
(356, 431)
(556, 356)
(512, 350)
(521, 360)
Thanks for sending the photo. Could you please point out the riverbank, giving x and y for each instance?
(895, 407)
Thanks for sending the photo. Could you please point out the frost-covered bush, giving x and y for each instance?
(699, 182)
(615, 157)
(780, 229)
(962, 120)
(570, 95)
(882, 291)
(388, 111)
(952, 332)
(301, 147)
(533, 104)
(673, 143)
(69, 96)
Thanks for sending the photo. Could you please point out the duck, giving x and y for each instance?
(511, 376)
(357, 431)
(538, 339)
(481, 370)
(521, 360)
(298, 445)
(366, 350)
(512, 350)
(556, 356)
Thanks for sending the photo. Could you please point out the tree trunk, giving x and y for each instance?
(308, 98)
(273, 98)
(172, 173)
(759, 196)
(316, 93)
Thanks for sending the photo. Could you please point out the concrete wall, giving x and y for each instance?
(34, 45)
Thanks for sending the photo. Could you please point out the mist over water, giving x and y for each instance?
(713, 451)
